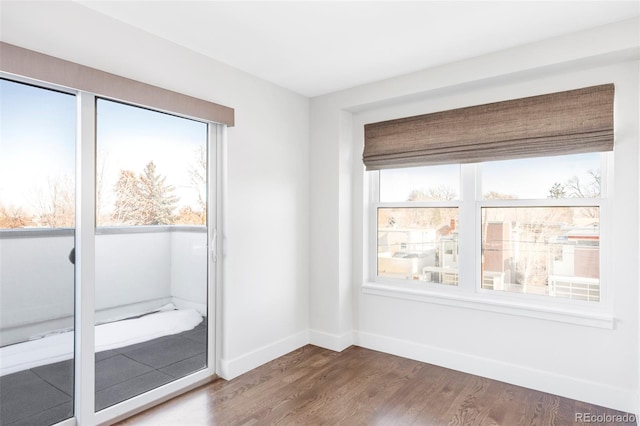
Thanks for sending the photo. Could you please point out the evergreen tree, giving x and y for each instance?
(557, 191)
(145, 199)
(157, 199)
(128, 207)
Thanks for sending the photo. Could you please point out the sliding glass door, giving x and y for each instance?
(151, 250)
(37, 227)
(107, 278)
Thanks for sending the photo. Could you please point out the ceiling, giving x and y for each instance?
(319, 47)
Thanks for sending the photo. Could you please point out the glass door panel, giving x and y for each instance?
(151, 250)
(37, 220)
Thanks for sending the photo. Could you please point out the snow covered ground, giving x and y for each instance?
(60, 346)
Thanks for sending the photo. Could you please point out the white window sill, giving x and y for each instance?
(484, 302)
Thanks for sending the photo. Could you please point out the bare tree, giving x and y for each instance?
(14, 217)
(55, 204)
(493, 195)
(198, 180)
(438, 193)
(429, 217)
(187, 216)
(100, 198)
(591, 189)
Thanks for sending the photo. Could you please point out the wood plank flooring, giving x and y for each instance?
(314, 386)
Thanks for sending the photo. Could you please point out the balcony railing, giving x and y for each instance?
(138, 269)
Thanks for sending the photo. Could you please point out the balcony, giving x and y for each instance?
(151, 306)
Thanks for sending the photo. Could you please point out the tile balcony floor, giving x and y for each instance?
(44, 395)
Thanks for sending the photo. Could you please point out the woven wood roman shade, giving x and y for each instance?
(571, 122)
(27, 63)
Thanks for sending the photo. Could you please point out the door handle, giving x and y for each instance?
(214, 246)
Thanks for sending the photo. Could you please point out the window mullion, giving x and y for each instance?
(468, 220)
(421, 204)
(374, 198)
(85, 261)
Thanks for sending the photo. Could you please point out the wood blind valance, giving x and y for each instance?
(28, 63)
(571, 122)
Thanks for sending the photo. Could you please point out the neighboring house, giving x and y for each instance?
(574, 270)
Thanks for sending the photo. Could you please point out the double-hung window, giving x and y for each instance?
(537, 221)
(417, 224)
(540, 225)
(501, 200)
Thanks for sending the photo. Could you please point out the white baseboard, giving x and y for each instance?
(334, 342)
(544, 381)
(231, 368)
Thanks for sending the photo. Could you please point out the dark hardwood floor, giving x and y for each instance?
(314, 386)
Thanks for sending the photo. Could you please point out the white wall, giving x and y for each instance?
(596, 365)
(266, 224)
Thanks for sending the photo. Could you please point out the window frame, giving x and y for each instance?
(469, 292)
(376, 205)
(210, 130)
(65, 91)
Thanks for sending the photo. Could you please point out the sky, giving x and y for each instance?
(130, 137)
(529, 178)
(397, 184)
(38, 137)
(533, 177)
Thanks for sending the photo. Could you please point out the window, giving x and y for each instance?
(517, 224)
(37, 158)
(417, 219)
(548, 243)
(151, 245)
(152, 167)
(538, 222)
(37, 230)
